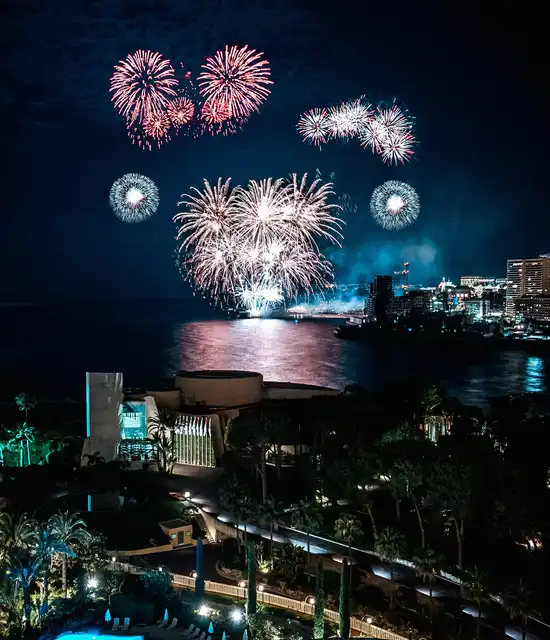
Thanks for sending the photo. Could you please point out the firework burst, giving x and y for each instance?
(142, 84)
(134, 198)
(257, 245)
(394, 205)
(237, 77)
(315, 127)
(180, 110)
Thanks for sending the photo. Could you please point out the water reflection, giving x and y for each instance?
(534, 375)
(309, 353)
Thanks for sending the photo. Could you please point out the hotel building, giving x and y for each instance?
(528, 277)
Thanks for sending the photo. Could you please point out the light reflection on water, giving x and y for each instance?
(308, 352)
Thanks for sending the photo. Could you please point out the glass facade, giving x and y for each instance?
(134, 421)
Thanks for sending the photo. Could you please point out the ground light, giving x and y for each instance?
(92, 583)
(204, 610)
(236, 615)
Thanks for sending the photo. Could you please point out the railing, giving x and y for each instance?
(282, 602)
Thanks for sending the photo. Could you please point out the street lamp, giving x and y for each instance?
(310, 600)
(194, 574)
(242, 584)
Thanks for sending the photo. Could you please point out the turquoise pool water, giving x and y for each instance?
(95, 635)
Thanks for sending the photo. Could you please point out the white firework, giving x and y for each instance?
(315, 126)
(134, 198)
(394, 205)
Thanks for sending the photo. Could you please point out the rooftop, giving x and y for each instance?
(214, 374)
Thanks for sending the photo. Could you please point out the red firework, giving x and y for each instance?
(156, 126)
(236, 77)
(180, 111)
(215, 112)
(142, 84)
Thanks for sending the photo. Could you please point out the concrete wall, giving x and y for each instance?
(167, 399)
(104, 398)
(220, 388)
(298, 392)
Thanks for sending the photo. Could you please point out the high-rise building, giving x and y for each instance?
(526, 277)
(381, 293)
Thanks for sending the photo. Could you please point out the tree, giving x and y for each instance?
(348, 528)
(518, 603)
(252, 596)
(319, 612)
(199, 568)
(21, 439)
(428, 567)
(161, 429)
(235, 499)
(476, 586)
(94, 458)
(390, 546)
(306, 516)
(290, 561)
(16, 533)
(450, 488)
(67, 528)
(25, 402)
(411, 477)
(188, 513)
(273, 511)
(46, 546)
(344, 601)
(23, 569)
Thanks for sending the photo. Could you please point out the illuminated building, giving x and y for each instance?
(533, 307)
(477, 307)
(381, 294)
(202, 404)
(526, 277)
(482, 281)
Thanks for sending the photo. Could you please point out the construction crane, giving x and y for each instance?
(404, 273)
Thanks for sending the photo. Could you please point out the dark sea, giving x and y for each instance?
(47, 349)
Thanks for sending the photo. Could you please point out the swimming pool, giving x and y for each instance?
(95, 634)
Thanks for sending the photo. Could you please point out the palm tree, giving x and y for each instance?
(23, 569)
(21, 438)
(411, 477)
(67, 528)
(476, 585)
(25, 403)
(518, 603)
(161, 429)
(273, 511)
(347, 527)
(46, 546)
(390, 546)
(428, 567)
(306, 516)
(16, 533)
(367, 503)
(94, 458)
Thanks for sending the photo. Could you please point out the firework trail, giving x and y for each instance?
(237, 77)
(142, 85)
(134, 198)
(257, 245)
(395, 205)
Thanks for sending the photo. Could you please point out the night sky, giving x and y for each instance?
(473, 74)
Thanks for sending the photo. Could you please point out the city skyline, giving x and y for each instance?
(67, 145)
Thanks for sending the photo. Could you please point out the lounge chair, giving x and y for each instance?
(173, 625)
(126, 624)
(202, 635)
(162, 623)
(196, 634)
(116, 624)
